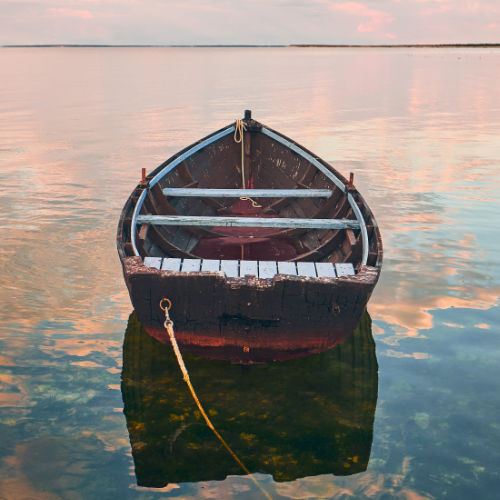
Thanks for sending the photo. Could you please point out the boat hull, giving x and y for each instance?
(245, 319)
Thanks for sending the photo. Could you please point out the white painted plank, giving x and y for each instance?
(267, 269)
(280, 222)
(171, 264)
(152, 262)
(230, 267)
(248, 268)
(325, 270)
(287, 268)
(253, 193)
(210, 265)
(191, 265)
(306, 269)
(345, 269)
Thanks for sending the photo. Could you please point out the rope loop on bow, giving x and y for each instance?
(239, 133)
(239, 129)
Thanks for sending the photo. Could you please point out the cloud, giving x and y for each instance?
(374, 18)
(62, 12)
(483, 326)
(441, 8)
(202, 7)
(253, 21)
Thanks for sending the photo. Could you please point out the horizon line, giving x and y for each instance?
(221, 45)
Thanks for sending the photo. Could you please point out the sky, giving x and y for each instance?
(248, 21)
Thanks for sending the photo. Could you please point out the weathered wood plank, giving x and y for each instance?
(189, 220)
(267, 269)
(171, 264)
(152, 262)
(325, 270)
(345, 269)
(308, 156)
(210, 265)
(230, 268)
(191, 265)
(351, 237)
(248, 268)
(253, 193)
(287, 268)
(306, 269)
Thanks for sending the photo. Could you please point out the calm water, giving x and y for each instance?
(421, 131)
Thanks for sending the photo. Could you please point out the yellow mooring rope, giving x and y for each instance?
(169, 326)
(239, 132)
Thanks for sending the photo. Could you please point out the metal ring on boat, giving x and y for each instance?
(168, 306)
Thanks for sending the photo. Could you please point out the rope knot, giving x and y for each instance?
(239, 128)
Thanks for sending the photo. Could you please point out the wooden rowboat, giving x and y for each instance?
(253, 237)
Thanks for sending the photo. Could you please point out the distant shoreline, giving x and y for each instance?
(295, 45)
(409, 45)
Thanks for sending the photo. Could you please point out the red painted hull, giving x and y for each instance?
(259, 345)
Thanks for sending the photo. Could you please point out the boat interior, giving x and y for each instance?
(248, 193)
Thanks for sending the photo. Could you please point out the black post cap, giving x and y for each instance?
(248, 114)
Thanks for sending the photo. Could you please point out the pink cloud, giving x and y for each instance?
(374, 18)
(203, 7)
(81, 14)
(438, 9)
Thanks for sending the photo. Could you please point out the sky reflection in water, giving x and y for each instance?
(420, 130)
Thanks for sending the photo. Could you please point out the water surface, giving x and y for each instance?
(419, 128)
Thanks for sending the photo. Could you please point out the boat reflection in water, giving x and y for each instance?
(303, 417)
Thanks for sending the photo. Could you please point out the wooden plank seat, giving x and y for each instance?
(262, 269)
(280, 222)
(252, 193)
